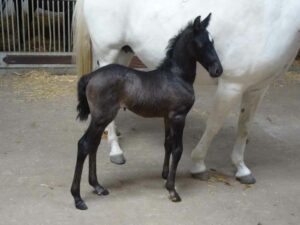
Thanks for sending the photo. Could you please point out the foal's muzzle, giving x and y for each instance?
(215, 70)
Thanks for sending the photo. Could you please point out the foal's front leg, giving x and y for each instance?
(168, 149)
(176, 130)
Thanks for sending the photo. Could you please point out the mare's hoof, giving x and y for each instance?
(204, 176)
(81, 205)
(101, 191)
(249, 179)
(174, 197)
(118, 159)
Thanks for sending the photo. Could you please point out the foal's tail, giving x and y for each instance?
(83, 106)
(81, 42)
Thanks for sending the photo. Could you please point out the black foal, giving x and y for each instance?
(165, 92)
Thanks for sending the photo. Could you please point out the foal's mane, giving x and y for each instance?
(166, 62)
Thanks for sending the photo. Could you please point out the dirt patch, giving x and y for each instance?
(39, 85)
(290, 78)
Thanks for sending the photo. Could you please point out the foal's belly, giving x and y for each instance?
(147, 113)
(146, 108)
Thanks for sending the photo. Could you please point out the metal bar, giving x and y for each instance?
(58, 9)
(64, 28)
(49, 26)
(28, 26)
(37, 59)
(7, 28)
(39, 28)
(71, 24)
(33, 27)
(23, 27)
(53, 19)
(13, 33)
(18, 26)
(2, 30)
(43, 25)
(69, 30)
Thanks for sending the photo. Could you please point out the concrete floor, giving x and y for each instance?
(38, 151)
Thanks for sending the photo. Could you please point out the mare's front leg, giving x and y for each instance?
(176, 131)
(250, 102)
(86, 145)
(227, 96)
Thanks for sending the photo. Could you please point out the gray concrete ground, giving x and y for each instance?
(38, 151)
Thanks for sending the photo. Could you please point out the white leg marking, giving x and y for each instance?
(113, 140)
(227, 95)
(250, 102)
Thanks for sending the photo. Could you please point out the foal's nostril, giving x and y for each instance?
(216, 71)
(219, 71)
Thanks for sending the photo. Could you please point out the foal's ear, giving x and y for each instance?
(197, 23)
(205, 22)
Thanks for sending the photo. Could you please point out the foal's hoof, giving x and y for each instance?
(174, 196)
(204, 176)
(118, 159)
(101, 191)
(249, 179)
(81, 205)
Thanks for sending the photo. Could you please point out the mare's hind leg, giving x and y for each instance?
(176, 129)
(116, 154)
(250, 102)
(103, 57)
(168, 149)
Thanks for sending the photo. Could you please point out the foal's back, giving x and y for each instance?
(149, 94)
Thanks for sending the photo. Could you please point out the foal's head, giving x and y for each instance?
(202, 47)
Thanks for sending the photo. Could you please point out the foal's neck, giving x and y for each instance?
(178, 60)
(186, 64)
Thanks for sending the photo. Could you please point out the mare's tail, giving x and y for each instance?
(83, 106)
(81, 42)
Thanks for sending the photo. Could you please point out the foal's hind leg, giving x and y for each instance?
(93, 180)
(88, 144)
(250, 102)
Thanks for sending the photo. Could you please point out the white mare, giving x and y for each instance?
(256, 41)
